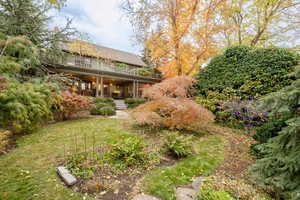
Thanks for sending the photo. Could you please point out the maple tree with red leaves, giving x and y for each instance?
(171, 108)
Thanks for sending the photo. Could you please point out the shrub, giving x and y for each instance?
(241, 113)
(178, 86)
(214, 99)
(173, 113)
(177, 145)
(107, 111)
(248, 71)
(109, 101)
(24, 106)
(71, 103)
(170, 107)
(133, 102)
(97, 107)
(279, 166)
(129, 152)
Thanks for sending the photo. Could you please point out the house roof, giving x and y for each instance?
(89, 49)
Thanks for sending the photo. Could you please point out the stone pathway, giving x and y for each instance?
(182, 193)
(144, 197)
(120, 115)
(120, 104)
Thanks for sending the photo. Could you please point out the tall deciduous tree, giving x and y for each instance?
(178, 34)
(30, 18)
(261, 23)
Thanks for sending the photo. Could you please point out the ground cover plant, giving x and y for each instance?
(129, 152)
(177, 145)
(208, 194)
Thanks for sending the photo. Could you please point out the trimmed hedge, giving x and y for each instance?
(103, 106)
(133, 102)
(248, 71)
(109, 101)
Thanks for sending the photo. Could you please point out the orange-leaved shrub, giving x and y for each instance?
(70, 104)
(177, 86)
(171, 108)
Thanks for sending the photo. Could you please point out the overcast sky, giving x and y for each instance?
(102, 20)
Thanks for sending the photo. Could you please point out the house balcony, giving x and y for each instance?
(72, 63)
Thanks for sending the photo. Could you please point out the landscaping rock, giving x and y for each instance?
(66, 176)
(185, 194)
(144, 197)
(197, 182)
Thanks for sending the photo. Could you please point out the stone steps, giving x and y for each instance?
(120, 104)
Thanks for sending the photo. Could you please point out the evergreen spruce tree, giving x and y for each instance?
(280, 166)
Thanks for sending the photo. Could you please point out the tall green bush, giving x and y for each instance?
(24, 106)
(248, 71)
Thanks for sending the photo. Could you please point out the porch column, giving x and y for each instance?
(110, 89)
(133, 89)
(137, 89)
(97, 86)
(101, 87)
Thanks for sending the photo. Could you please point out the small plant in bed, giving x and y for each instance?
(83, 164)
(177, 145)
(207, 194)
(130, 152)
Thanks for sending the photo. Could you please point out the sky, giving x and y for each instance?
(102, 20)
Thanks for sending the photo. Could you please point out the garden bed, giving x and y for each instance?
(30, 169)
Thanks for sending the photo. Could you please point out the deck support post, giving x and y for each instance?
(101, 87)
(133, 89)
(137, 89)
(97, 86)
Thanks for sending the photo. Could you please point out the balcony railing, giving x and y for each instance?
(97, 64)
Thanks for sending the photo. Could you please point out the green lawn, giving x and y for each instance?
(163, 181)
(29, 171)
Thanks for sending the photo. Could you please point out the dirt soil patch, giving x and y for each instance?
(107, 184)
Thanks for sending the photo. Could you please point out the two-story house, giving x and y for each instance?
(104, 72)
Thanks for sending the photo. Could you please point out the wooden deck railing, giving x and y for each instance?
(97, 64)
